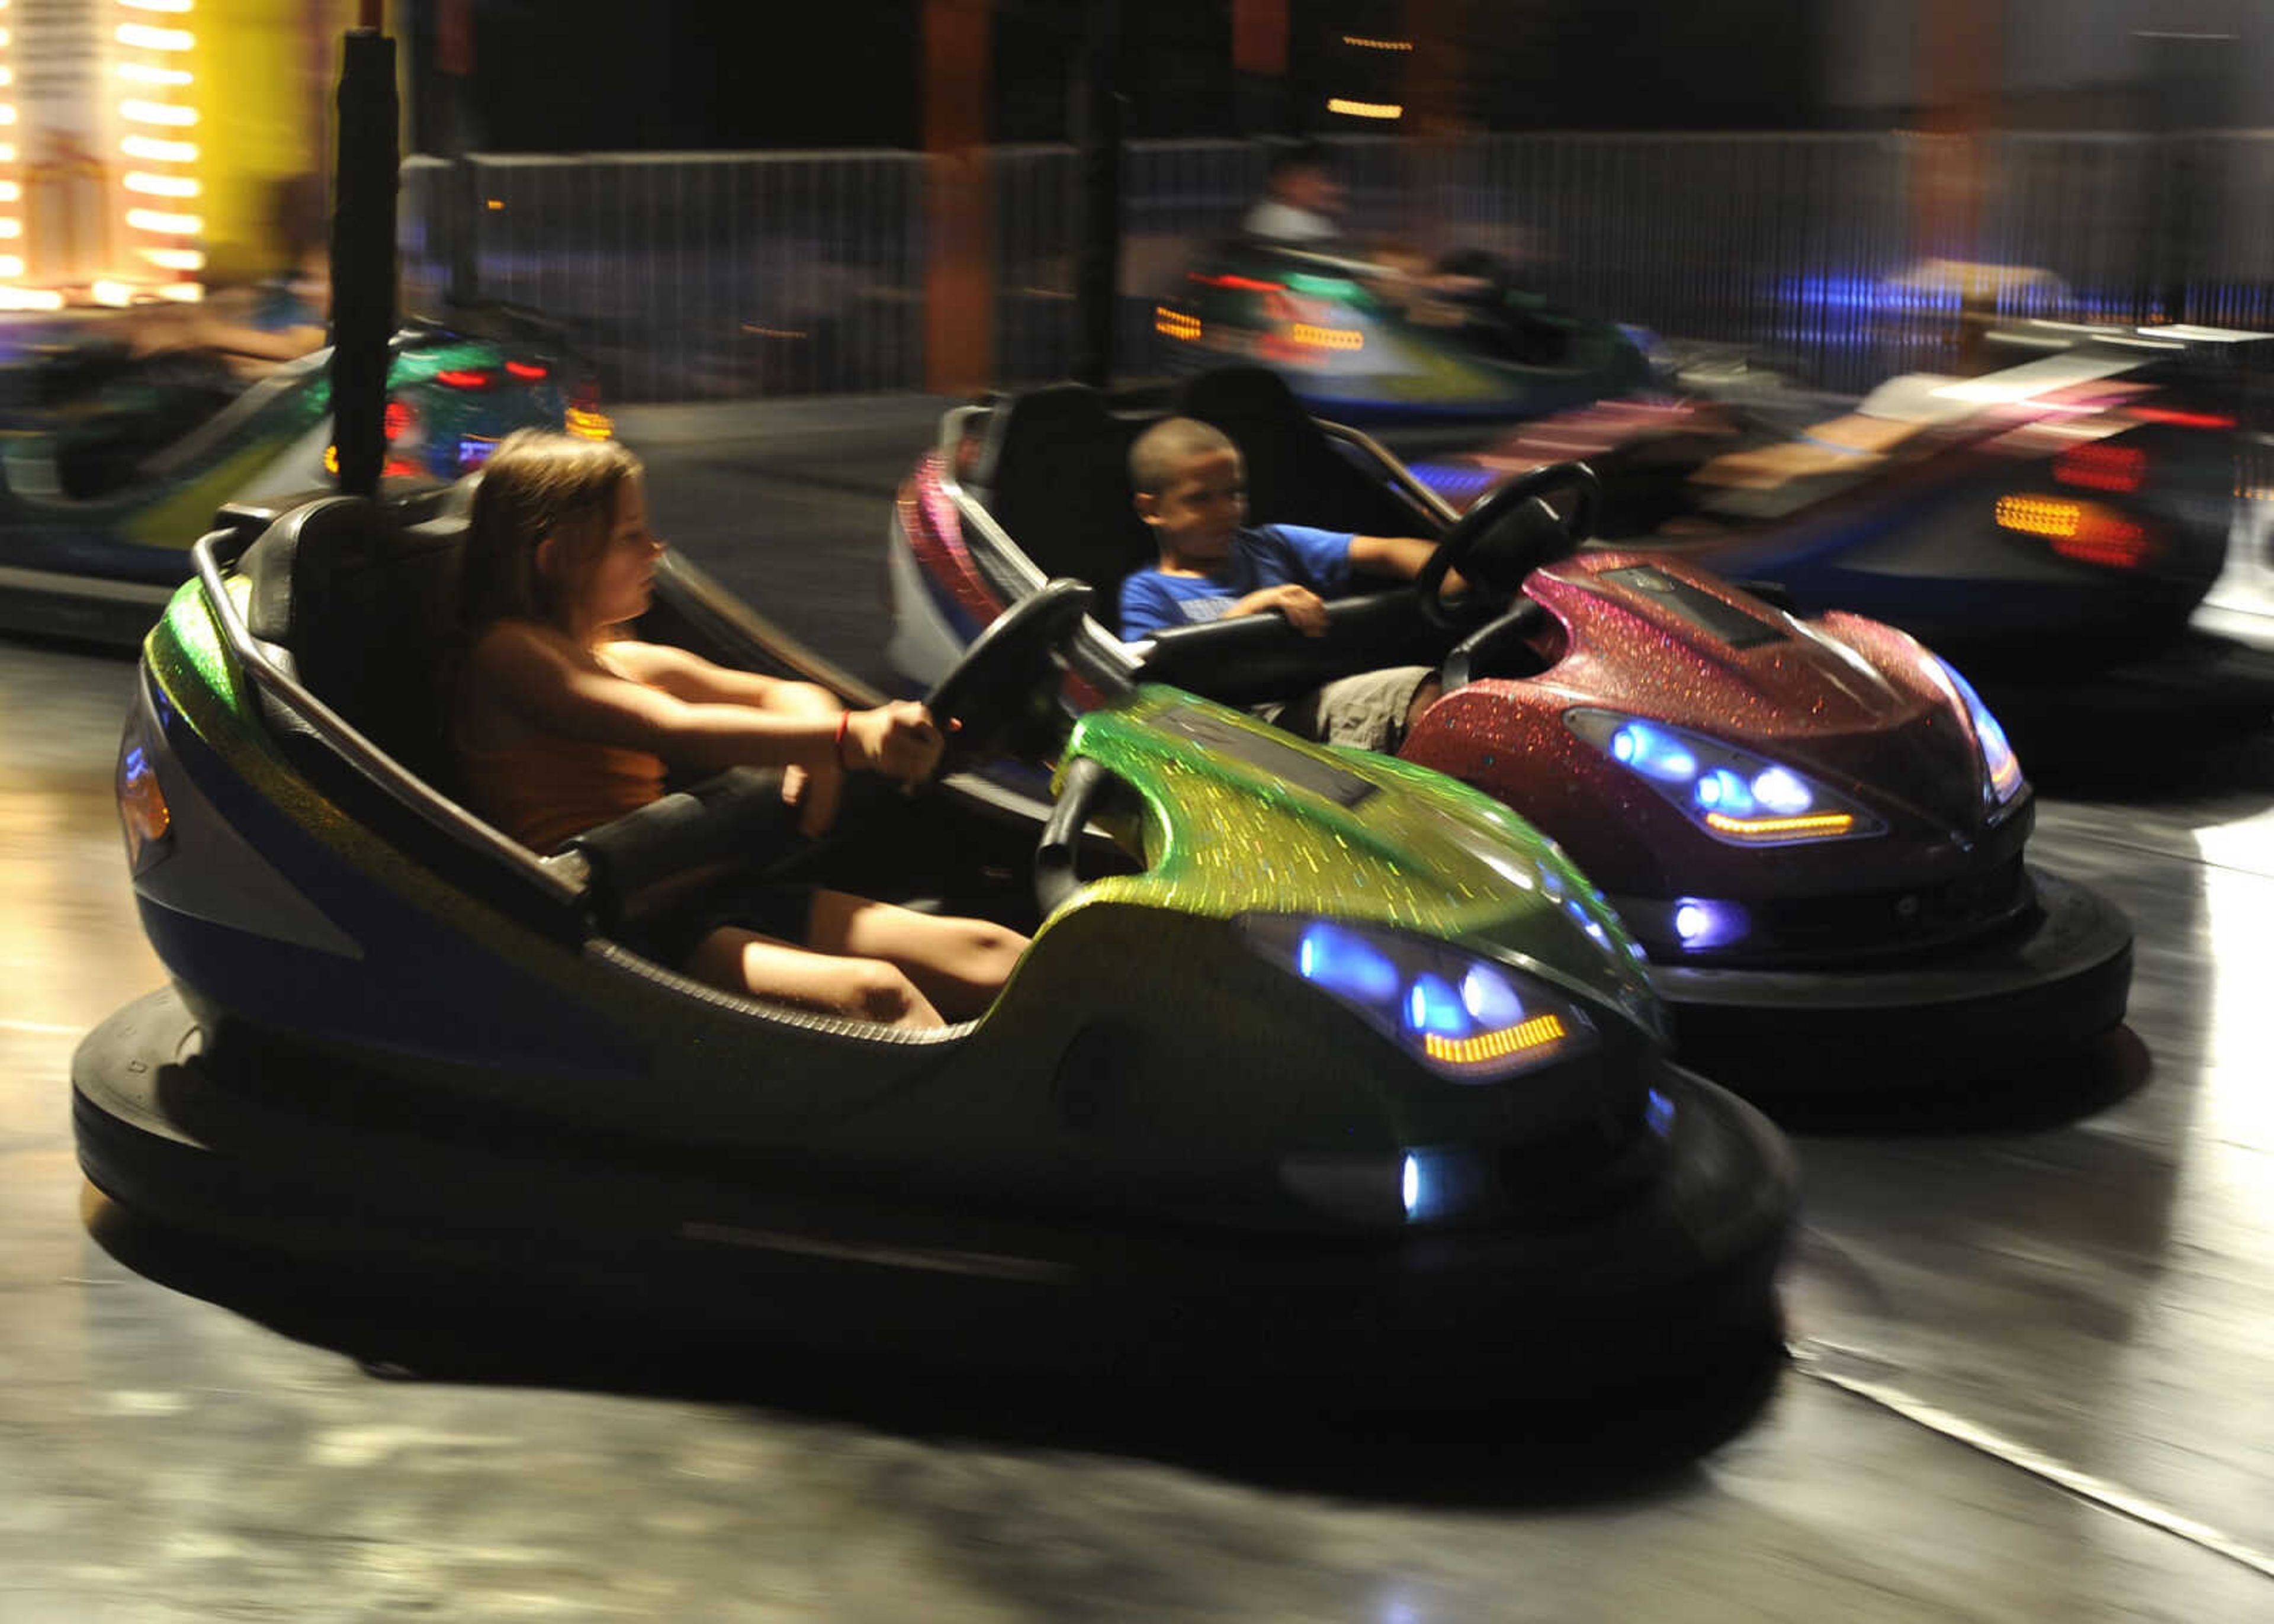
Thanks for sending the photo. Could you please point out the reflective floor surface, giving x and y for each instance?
(2032, 1333)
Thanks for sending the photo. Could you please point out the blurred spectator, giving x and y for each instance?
(1303, 198)
(255, 327)
(284, 315)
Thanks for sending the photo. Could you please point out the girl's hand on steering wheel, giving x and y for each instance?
(899, 740)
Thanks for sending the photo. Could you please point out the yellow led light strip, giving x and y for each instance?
(139, 111)
(1175, 323)
(1538, 1033)
(2036, 516)
(1327, 338)
(1779, 828)
(162, 186)
(141, 36)
(1365, 109)
(164, 224)
(154, 150)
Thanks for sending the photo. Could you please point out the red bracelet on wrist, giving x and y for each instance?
(844, 721)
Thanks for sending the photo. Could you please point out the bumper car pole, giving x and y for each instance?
(363, 251)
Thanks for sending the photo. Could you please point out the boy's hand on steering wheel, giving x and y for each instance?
(899, 740)
(1304, 608)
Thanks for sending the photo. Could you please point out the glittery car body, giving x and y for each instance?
(1810, 824)
(1189, 1106)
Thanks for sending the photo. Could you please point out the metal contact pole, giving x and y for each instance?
(363, 254)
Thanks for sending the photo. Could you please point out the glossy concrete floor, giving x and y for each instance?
(2033, 1340)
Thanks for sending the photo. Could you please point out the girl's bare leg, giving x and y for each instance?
(957, 964)
(857, 988)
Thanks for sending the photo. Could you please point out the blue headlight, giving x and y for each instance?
(1701, 924)
(1783, 792)
(1466, 1018)
(1733, 794)
(1432, 1006)
(1725, 792)
(1346, 964)
(1653, 752)
(1488, 996)
(2002, 768)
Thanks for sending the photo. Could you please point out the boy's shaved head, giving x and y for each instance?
(1169, 445)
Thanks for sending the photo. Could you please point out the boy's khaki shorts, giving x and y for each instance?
(1366, 711)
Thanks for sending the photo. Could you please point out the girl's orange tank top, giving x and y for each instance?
(544, 789)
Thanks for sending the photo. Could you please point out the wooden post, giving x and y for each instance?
(1960, 70)
(1435, 98)
(1259, 66)
(959, 280)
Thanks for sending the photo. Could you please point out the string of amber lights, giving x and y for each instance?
(156, 114)
(13, 294)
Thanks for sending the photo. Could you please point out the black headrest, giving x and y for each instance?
(1060, 487)
(1295, 476)
(249, 516)
(367, 608)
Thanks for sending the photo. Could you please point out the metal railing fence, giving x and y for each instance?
(697, 275)
(689, 276)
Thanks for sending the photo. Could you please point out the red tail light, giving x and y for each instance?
(2181, 419)
(400, 420)
(2084, 531)
(1242, 284)
(2102, 467)
(528, 372)
(464, 378)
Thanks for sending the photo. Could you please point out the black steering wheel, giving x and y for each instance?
(992, 686)
(1518, 529)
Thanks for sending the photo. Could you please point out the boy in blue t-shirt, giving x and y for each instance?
(1192, 491)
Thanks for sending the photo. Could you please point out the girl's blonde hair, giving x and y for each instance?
(539, 483)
